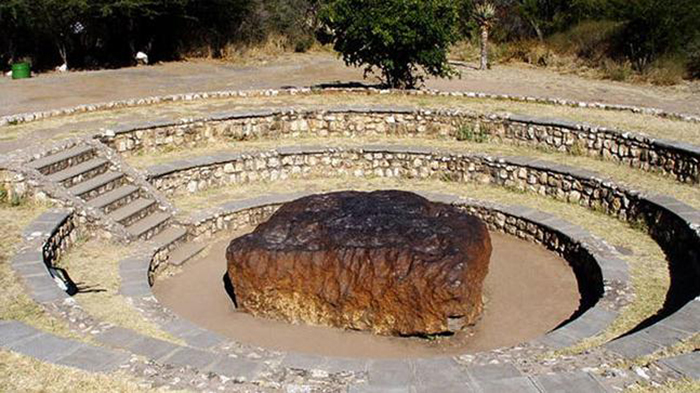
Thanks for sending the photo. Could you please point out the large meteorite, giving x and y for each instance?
(390, 262)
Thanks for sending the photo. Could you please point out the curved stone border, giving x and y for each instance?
(595, 264)
(52, 232)
(670, 222)
(136, 102)
(596, 267)
(45, 240)
(680, 159)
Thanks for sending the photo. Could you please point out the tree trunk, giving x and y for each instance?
(538, 31)
(484, 48)
(63, 52)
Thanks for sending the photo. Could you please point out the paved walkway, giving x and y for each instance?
(52, 91)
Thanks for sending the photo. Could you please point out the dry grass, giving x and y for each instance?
(84, 123)
(275, 48)
(683, 386)
(24, 374)
(95, 264)
(635, 179)
(15, 304)
(685, 346)
(650, 278)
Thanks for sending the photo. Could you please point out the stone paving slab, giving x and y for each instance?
(94, 359)
(119, 337)
(364, 388)
(557, 339)
(27, 256)
(204, 339)
(336, 365)
(303, 361)
(390, 373)
(46, 347)
(43, 289)
(49, 295)
(133, 276)
(577, 382)
(152, 348)
(663, 335)
(681, 324)
(590, 323)
(245, 369)
(687, 365)
(134, 263)
(447, 387)
(136, 289)
(491, 372)
(507, 385)
(192, 333)
(438, 371)
(632, 346)
(195, 358)
(31, 269)
(12, 332)
(180, 327)
(24, 339)
(686, 319)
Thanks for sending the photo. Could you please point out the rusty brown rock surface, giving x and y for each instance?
(390, 262)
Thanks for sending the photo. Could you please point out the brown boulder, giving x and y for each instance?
(390, 262)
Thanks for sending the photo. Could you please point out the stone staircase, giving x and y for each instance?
(94, 177)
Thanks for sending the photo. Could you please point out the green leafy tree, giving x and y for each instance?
(59, 21)
(653, 28)
(13, 26)
(397, 37)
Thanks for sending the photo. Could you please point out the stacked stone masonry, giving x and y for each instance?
(513, 221)
(670, 222)
(677, 159)
(139, 102)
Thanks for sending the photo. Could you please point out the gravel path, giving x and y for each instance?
(52, 91)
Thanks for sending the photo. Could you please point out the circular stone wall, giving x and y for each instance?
(528, 292)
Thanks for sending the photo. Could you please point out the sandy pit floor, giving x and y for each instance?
(528, 292)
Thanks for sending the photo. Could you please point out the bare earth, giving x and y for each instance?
(52, 91)
(528, 292)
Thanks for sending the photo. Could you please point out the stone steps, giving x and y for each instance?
(81, 172)
(170, 237)
(98, 185)
(63, 159)
(185, 252)
(113, 200)
(149, 226)
(86, 173)
(133, 211)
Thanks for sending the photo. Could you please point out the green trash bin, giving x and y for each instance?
(21, 71)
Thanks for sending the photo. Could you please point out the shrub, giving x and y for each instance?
(667, 71)
(694, 60)
(467, 133)
(528, 51)
(617, 71)
(590, 40)
(397, 37)
(654, 28)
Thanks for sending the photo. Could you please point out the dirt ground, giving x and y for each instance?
(52, 91)
(528, 292)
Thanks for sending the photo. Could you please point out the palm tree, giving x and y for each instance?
(484, 15)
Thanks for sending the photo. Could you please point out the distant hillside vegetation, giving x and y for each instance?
(655, 40)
